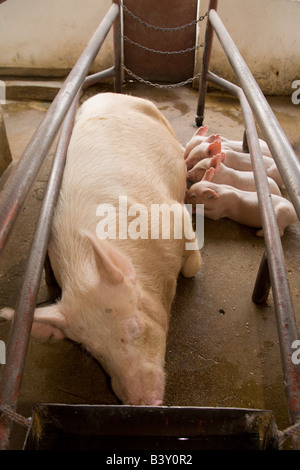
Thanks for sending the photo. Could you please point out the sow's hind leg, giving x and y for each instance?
(191, 262)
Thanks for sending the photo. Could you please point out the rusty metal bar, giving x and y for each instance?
(209, 34)
(12, 373)
(17, 187)
(285, 318)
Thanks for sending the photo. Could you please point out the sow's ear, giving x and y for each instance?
(48, 321)
(112, 265)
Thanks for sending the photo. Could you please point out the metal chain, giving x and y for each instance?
(183, 51)
(158, 85)
(157, 28)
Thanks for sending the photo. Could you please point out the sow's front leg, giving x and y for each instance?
(191, 259)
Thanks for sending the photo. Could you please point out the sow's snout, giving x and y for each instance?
(146, 387)
(137, 369)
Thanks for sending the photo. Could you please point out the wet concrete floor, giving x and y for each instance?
(222, 350)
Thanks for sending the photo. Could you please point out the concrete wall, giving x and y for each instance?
(267, 33)
(51, 34)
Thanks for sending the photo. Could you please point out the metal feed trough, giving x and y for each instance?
(59, 426)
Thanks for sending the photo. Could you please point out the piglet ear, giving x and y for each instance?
(209, 174)
(209, 193)
(212, 138)
(202, 131)
(214, 148)
(222, 157)
(216, 162)
(112, 265)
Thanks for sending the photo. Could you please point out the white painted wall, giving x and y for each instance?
(267, 33)
(53, 33)
(50, 33)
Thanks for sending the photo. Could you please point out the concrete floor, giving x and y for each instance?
(222, 350)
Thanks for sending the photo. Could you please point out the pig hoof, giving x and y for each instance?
(260, 233)
(192, 264)
(6, 313)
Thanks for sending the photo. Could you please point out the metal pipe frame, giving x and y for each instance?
(20, 182)
(272, 268)
(97, 77)
(17, 343)
(15, 192)
(287, 330)
(209, 34)
(118, 48)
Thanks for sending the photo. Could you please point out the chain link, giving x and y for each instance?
(182, 51)
(158, 85)
(157, 28)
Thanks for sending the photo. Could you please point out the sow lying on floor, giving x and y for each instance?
(117, 292)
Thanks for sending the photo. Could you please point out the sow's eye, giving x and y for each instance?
(135, 328)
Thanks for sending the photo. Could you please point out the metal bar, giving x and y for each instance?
(97, 77)
(19, 183)
(118, 49)
(262, 286)
(12, 373)
(281, 149)
(209, 34)
(18, 341)
(286, 324)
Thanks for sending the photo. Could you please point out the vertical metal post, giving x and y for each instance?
(209, 34)
(118, 49)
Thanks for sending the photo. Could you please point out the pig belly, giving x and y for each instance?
(112, 154)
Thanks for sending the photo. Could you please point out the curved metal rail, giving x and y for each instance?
(272, 272)
(17, 187)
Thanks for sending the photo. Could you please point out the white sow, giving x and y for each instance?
(117, 293)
